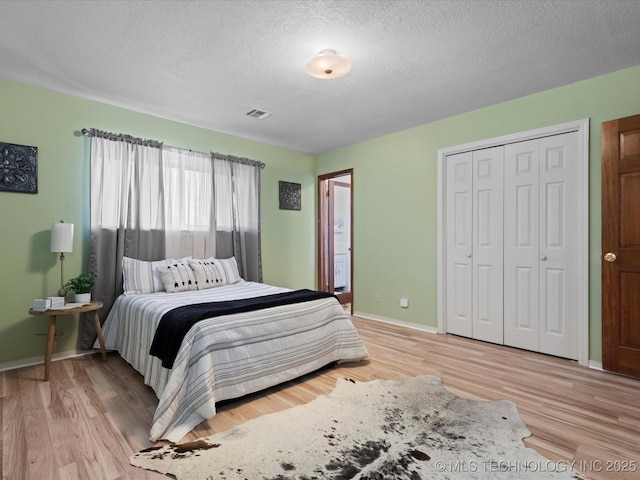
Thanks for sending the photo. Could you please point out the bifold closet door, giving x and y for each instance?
(521, 244)
(487, 238)
(459, 226)
(540, 238)
(474, 244)
(558, 241)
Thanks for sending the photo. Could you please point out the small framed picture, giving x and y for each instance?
(18, 168)
(290, 196)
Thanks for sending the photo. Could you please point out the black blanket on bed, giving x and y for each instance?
(175, 323)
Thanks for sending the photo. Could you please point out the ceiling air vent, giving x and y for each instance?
(259, 114)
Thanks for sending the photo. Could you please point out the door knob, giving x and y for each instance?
(468, 255)
(610, 257)
(543, 257)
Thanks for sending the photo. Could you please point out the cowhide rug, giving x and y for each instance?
(381, 430)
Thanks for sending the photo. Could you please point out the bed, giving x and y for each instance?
(227, 356)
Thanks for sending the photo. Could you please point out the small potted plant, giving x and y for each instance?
(81, 285)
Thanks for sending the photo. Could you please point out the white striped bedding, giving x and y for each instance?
(227, 357)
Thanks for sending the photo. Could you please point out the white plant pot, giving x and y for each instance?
(83, 297)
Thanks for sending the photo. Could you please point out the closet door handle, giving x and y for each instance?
(468, 255)
(543, 258)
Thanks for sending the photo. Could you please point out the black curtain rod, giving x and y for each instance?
(88, 133)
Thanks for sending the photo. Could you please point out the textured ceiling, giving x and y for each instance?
(207, 63)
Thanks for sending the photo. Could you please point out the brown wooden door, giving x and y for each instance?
(335, 237)
(621, 245)
(330, 246)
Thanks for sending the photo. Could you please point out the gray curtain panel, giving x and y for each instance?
(238, 220)
(150, 202)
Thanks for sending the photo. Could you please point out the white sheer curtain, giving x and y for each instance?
(125, 191)
(189, 203)
(150, 201)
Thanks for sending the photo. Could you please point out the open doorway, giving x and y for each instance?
(335, 235)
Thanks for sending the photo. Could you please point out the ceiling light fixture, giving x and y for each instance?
(328, 64)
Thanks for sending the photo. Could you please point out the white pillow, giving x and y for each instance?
(228, 267)
(141, 277)
(215, 272)
(207, 274)
(178, 277)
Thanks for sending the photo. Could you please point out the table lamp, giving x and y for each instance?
(62, 242)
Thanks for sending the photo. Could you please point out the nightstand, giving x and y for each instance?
(53, 314)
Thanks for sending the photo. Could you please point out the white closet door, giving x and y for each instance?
(487, 244)
(513, 250)
(459, 247)
(540, 234)
(558, 241)
(521, 244)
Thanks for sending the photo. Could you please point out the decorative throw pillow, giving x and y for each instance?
(178, 277)
(215, 272)
(207, 274)
(140, 276)
(228, 267)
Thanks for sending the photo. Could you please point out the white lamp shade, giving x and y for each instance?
(62, 237)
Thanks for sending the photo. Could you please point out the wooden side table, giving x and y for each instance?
(53, 314)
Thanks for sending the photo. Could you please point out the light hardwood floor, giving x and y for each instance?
(91, 416)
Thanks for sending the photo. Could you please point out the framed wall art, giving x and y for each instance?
(18, 168)
(290, 196)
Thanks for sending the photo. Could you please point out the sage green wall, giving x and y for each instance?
(394, 184)
(51, 121)
(395, 187)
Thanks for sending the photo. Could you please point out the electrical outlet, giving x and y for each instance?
(378, 297)
(404, 302)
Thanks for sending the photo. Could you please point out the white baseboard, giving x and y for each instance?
(39, 360)
(393, 321)
(595, 365)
